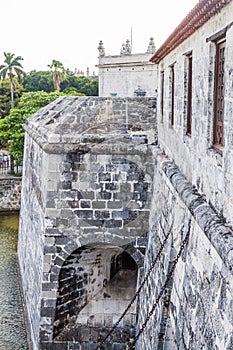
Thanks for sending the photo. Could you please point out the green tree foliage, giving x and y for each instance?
(39, 87)
(5, 98)
(39, 81)
(83, 85)
(11, 130)
(58, 72)
(11, 68)
(72, 85)
(71, 91)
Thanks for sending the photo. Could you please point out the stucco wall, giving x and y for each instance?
(123, 74)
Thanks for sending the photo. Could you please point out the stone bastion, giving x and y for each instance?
(86, 191)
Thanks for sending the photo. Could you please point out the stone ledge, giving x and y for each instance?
(213, 225)
(72, 123)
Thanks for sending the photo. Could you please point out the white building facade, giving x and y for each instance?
(127, 74)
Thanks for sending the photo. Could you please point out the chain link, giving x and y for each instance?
(169, 275)
(137, 292)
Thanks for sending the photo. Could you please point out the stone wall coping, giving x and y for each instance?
(99, 144)
(213, 225)
(10, 177)
(72, 122)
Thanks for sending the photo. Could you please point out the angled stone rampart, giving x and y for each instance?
(86, 192)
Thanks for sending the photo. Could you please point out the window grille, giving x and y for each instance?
(189, 96)
(218, 132)
(172, 94)
(162, 95)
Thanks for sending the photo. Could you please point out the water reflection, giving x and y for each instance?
(12, 330)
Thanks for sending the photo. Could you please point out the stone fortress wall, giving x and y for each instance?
(193, 194)
(103, 170)
(10, 192)
(89, 178)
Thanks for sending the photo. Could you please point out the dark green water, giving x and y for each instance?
(12, 328)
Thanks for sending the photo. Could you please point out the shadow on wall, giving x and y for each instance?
(96, 284)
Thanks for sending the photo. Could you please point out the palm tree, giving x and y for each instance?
(58, 72)
(11, 68)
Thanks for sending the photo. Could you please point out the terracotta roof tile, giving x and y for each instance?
(199, 15)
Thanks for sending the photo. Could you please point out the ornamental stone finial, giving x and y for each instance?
(101, 49)
(151, 47)
(126, 48)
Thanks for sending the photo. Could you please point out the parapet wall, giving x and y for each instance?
(200, 291)
(10, 193)
(87, 184)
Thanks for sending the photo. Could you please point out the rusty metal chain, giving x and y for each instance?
(169, 275)
(137, 292)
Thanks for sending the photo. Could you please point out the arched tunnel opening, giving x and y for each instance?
(96, 284)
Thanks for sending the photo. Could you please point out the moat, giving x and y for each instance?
(12, 327)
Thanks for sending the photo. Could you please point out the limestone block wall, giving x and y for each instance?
(93, 198)
(209, 171)
(198, 315)
(100, 193)
(192, 195)
(31, 234)
(10, 193)
(86, 193)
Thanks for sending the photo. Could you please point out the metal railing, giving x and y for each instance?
(10, 167)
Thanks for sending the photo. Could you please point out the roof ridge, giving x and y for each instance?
(198, 16)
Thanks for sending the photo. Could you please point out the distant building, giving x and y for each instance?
(80, 73)
(127, 74)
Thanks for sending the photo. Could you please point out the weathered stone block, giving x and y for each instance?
(80, 220)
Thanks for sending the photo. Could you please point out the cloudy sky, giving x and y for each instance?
(70, 30)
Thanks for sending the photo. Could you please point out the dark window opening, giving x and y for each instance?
(172, 95)
(162, 95)
(218, 124)
(122, 262)
(189, 96)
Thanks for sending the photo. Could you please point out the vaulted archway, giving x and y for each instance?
(96, 284)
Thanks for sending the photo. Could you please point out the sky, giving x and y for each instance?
(70, 30)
